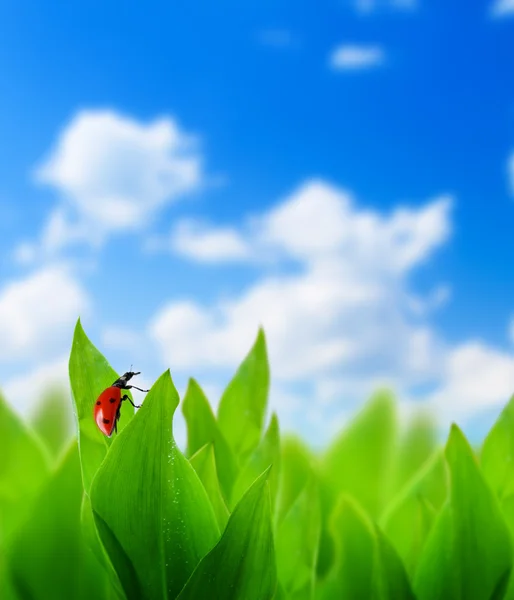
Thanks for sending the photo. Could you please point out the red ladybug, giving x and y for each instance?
(107, 407)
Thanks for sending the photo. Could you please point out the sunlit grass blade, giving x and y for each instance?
(23, 469)
(152, 511)
(202, 429)
(242, 564)
(417, 443)
(90, 374)
(205, 466)
(53, 420)
(297, 468)
(358, 463)
(92, 539)
(366, 565)
(297, 541)
(497, 452)
(507, 507)
(468, 553)
(49, 557)
(242, 407)
(409, 519)
(359, 460)
(267, 453)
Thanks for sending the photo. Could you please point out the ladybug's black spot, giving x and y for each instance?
(112, 400)
(98, 403)
(106, 421)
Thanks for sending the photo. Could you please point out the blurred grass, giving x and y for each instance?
(246, 513)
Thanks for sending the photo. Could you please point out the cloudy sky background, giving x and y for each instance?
(340, 172)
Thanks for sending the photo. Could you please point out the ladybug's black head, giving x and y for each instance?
(122, 381)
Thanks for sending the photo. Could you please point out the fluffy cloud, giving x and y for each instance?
(475, 377)
(354, 57)
(198, 241)
(25, 391)
(38, 312)
(343, 315)
(503, 8)
(113, 173)
(333, 293)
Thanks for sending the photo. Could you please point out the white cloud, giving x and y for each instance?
(38, 312)
(345, 320)
(114, 173)
(503, 8)
(319, 222)
(437, 298)
(198, 241)
(345, 312)
(353, 57)
(120, 338)
(24, 392)
(475, 377)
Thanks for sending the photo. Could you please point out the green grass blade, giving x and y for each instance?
(266, 454)
(359, 461)
(417, 444)
(297, 541)
(90, 374)
(23, 469)
(205, 466)
(48, 557)
(507, 507)
(202, 429)
(409, 519)
(153, 513)
(297, 468)
(242, 564)
(92, 539)
(366, 565)
(242, 407)
(497, 452)
(468, 553)
(53, 421)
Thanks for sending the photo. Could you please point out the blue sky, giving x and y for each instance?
(341, 172)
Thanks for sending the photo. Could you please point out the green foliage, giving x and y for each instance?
(48, 556)
(202, 428)
(204, 464)
(23, 469)
(90, 374)
(153, 513)
(53, 421)
(243, 404)
(365, 566)
(358, 462)
(242, 565)
(468, 553)
(409, 518)
(383, 513)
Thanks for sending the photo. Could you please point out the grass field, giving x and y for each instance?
(384, 512)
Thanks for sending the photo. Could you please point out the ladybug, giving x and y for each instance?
(107, 407)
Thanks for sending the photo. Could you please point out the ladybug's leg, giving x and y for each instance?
(125, 397)
(129, 387)
(117, 418)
